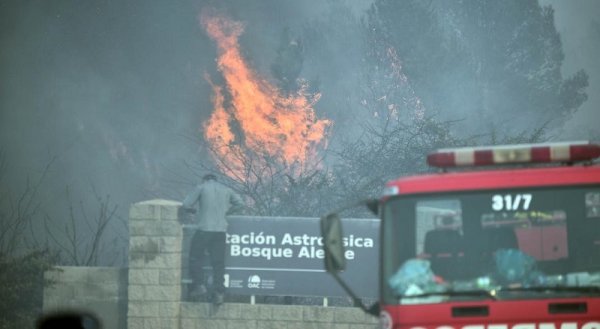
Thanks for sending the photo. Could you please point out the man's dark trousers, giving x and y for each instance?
(214, 243)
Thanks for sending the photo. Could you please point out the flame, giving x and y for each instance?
(257, 123)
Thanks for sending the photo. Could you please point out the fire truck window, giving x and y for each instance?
(541, 234)
(485, 239)
(439, 235)
(436, 215)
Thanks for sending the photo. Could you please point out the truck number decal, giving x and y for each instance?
(511, 202)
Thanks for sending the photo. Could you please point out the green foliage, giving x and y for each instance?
(21, 288)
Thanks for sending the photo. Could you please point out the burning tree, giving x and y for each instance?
(404, 88)
(260, 137)
(425, 78)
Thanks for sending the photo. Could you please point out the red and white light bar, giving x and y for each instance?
(511, 154)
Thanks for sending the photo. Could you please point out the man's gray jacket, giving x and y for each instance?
(213, 200)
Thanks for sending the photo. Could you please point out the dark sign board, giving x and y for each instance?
(283, 256)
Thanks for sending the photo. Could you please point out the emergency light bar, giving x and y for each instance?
(513, 154)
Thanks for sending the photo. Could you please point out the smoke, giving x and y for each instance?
(106, 91)
(104, 88)
(578, 24)
(112, 92)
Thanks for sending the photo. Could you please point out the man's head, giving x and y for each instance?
(208, 177)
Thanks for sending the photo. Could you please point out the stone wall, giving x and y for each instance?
(155, 259)
(100, 290)
(149, 293)
(263, 316)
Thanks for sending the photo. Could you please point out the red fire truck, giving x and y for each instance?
(503, 237)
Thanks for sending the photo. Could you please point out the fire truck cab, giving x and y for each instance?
(503, 237)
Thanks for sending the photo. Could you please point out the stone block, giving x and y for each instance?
(342, 326)
(169, 276)
(257, 312)
(169, 229)
(241, 324)
(170, 323)
(138, 260)
(136, 292)
(143, 211)
(318, 314)
(138, 228)
(142, 309)
(135, 323)
(363, 326)
(170, 244)
(289, 313)
(144, 244)
(349, 315)
(170, 212)
(214, 324)
(308, 325)
(189, 323)
(167, 260)
(144, 276)
(162, 292)
(147, 228)
(169, 309)
(229, 311)
(152, 323)
(155, 210)
(264, 324)
(194, 310)
(158, 261)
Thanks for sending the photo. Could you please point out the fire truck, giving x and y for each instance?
(502, 237)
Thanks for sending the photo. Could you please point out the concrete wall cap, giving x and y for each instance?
(159, 202)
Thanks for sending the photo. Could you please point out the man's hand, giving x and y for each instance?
(189, 210)
(184, 215)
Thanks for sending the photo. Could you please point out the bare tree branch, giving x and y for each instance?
(21, 210)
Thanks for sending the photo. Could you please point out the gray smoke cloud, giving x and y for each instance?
(578, 23)
(112, 92)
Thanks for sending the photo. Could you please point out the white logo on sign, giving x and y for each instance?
(254, 281)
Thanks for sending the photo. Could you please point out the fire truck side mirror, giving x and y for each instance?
(331, 231)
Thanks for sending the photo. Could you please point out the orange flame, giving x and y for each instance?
(258, 122)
